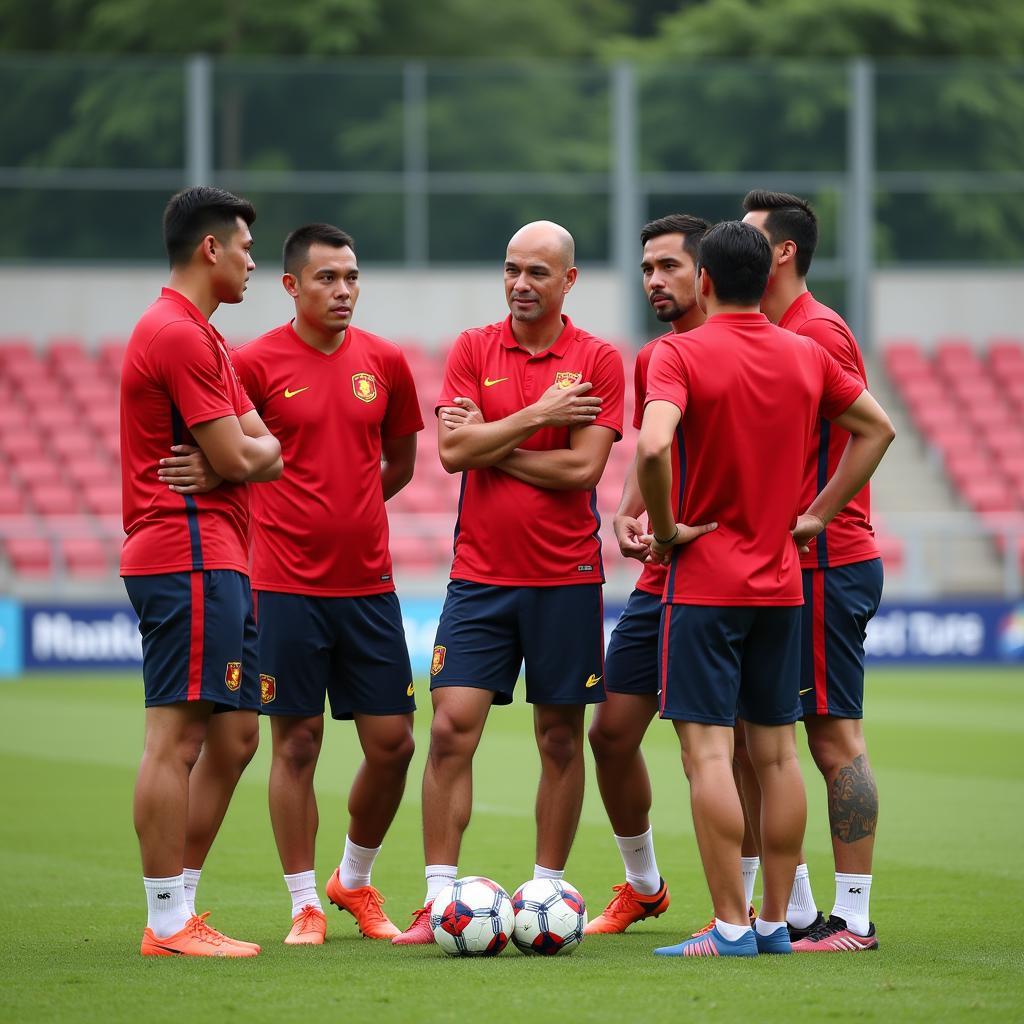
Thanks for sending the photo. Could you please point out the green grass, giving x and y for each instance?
(948, 893)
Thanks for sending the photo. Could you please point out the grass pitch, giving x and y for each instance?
(947, 751)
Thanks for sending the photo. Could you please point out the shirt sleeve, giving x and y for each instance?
(839, 390)
(184, 360)
(609, 380)
(836, 342)
(461, 378)
(641, 368)
(403, 413)
(666, 378)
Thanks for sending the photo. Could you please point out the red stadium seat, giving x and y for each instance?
(70, 447)
(54, 499)
(12, 500)
(103, 498)
(29, 556)
(18, 442)
(86, 557)
(34, 470)
(15, 350)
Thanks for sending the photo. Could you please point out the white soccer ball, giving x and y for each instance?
(550, 917)
(472, 917)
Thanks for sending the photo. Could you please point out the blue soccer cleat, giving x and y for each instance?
(775, 942)
(712, 943)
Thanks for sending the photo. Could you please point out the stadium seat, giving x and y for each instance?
(85, 557)
(30, 557)
(12, 500)
(34, 470)
(103, 498)
(54, 499)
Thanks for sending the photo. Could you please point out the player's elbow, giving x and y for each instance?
(234, 467)
(650, 450)
(588, 476)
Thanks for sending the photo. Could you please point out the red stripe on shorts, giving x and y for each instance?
(256, 606)
(818, 641)
(195, 647)
(664, 655)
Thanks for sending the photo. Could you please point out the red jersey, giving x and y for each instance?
(750, 395)
(510, 533)
(177, 373)
(654, 574)
(849, 537)
(321, 528)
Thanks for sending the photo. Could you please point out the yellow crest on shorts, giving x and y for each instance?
(567, 378)
(268, 688)
(437, 661)
(233, 675)
(364, 386)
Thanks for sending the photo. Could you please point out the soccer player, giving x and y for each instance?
(528, 413)
(344, 405)
(842, 582)
(185, 556)
(670, 246)
(744, 397)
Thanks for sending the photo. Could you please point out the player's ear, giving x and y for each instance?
(570, 279)
(291, 285)
(787, 253)
(703, 282)
(207, 249)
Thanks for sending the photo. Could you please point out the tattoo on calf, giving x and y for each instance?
(853, 802)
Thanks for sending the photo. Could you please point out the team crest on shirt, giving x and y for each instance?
(364, 386)
(268, 688)
(437, 661)
(567, 378)
(233, 675)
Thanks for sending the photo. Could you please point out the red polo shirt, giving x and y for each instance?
(751, 395)
(510, 533)
(321, 528)
(849, 537)
(177, 373)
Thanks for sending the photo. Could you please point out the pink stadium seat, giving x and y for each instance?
(15, 350)
(18, 442)
(12, 500)
(72, 446)
(85, 557)
(37, 470)
(54, 499)
(989, 495)
(29, 556)
(103, 498)
(891, 549)
(92, 468)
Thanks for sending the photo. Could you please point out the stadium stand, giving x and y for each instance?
(60, 488)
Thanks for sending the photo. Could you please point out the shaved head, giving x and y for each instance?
(547, 238)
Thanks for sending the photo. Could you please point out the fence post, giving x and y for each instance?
(198, 120)
(414, 149)
(626, 214)
(860, 195)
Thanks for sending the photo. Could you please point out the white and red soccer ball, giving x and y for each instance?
(550, 916)
(472, 917)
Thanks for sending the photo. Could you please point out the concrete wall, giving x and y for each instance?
(434, 305)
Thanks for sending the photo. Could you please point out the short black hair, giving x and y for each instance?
(193, 213)
(295, 254)
(691, 228)
(738, 260)
(790, 219)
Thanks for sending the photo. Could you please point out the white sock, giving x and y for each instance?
(767, 927)
(302, 886)
(191, 878)
(438, 876)
(732, 932)
(802, 909)
(749, 866)
(356, 864)
(637, 854)
(541, 872)
(853, 894)
(165, 898)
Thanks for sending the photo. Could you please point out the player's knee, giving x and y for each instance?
(248, 742)
(448, 737)
(299, 748)
(607, 742)
(559, 745)
(393, 752)
(832, 749)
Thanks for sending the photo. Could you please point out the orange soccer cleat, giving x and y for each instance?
(197, 938)
(626, 907)
(364, 904)
(419, 932)
(309, 928)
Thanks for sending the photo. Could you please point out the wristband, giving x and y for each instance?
(667, 540)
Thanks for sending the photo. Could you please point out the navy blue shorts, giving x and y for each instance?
(486, 633)
(631, 661)
(198, 638)
(838, 603)
(350, 649)
(720, 663)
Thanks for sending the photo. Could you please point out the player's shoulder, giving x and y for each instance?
(481, 335)
(166, 323)
(374, 344)
(267, 344)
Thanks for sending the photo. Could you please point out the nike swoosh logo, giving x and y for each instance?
(488, 383)
(297, 391)
(410, 689)
(808, 690)
(592, 681)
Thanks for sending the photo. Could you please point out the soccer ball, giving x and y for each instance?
(550, 917)
(472, 917)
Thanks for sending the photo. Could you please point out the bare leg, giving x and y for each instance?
(615, 735)
(783, 811)
(717, 814)
(376, 792)
(231, 741)
(838, 748)
(750, 792)
(174, 737)
(460, 713)
(293, 811)
(559, 732)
